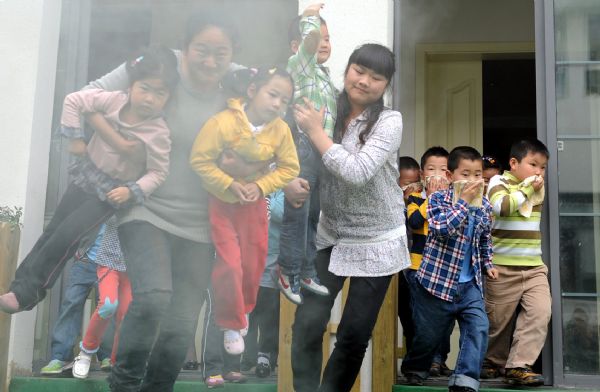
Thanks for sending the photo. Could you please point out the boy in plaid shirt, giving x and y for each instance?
(449, 280)
(309, 41)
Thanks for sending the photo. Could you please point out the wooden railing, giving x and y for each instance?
(9, 246)
(383, 343)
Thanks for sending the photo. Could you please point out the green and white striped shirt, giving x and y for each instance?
(516, 239)
(311, 79)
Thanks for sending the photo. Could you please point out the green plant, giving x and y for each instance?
(11, 215)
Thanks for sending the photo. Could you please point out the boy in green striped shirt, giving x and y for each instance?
(517, 197)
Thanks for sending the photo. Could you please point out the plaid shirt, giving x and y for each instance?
(312, 79)
(446, 240)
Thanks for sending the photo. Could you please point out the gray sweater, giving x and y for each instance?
(180, 205)
(362, 205)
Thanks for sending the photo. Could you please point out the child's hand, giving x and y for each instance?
(492, 273)
(313, 9)
(538, 183)
(240, 192)
(119, 195)
(471, 191)
(253, 192)
(436, 184)
(297, 191)
(308, 119)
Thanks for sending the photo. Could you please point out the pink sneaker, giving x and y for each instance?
(214, 381)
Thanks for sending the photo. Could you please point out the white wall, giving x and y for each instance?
(29, 35)
(452, 21)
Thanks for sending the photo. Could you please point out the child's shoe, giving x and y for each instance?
(81, 365)
(105, 365)
(235, 377)
(489, 371)
(290, 287)
(214, 381)
(233, 342)
(55, 366)
(524, 376)
(263, 365)
(313, 284)
(414, 379)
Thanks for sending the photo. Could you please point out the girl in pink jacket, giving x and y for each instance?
(104, 177)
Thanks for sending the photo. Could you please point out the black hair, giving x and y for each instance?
(294, 33)
(408, 163)
(520, 149)
(462, 153)
(155, 61)
(490, 162)
(239, 81)
(200, 21)
(379, 59)
(435, 151)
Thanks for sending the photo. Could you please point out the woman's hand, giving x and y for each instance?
(309, 120)
(235, 166)
(297, 191)
(119, 195)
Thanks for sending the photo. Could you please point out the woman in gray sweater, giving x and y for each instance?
(361, 233)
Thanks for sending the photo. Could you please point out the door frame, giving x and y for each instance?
(463, 50)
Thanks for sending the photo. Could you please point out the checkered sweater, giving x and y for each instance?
(445, 247)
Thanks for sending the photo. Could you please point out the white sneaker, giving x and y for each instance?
(314, 285)
(233, 342)
(81, 365)
(290, 287)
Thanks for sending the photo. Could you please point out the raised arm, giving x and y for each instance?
(504, 202)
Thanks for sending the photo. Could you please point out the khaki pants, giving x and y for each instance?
(527, 288)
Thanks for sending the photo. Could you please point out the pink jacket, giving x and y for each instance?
(148, 168)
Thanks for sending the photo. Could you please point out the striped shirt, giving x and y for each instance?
(311, 79)
(517, 239)
(417, 222)
(446, 244)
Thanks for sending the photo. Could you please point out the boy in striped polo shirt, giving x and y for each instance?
(517, 197)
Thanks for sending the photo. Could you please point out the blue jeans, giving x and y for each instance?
(441, 354)
(434, 315)
(82, 278)
(297, 250)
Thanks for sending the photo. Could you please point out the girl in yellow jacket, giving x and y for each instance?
(254, 130)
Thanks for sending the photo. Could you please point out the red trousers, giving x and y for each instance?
(113, 286)
(240, 236)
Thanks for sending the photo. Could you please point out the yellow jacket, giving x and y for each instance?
(230, 129)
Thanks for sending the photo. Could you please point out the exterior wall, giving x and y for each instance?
(434, 21)
(28, 46)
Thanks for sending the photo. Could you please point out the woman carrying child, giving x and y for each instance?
(252, 128)
(361, 233)
(103, 179)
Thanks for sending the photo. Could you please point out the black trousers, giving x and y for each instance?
(215, 360)
(364, 300)
(77, 213)
(169, 277)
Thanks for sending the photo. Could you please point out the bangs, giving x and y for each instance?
(375, 57)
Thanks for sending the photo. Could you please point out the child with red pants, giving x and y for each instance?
(253, 129)
(115, 296)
